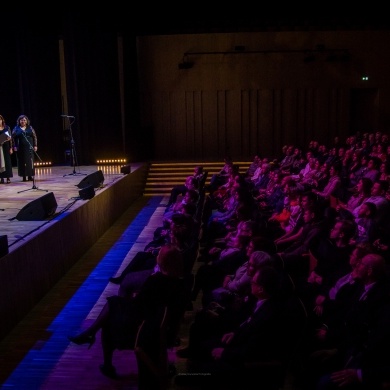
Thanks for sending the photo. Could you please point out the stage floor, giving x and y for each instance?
(62, 181)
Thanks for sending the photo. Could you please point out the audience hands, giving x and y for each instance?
(227, 337)
(345, 377)
(216, 353)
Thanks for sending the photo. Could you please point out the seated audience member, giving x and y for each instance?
(332, 256)
(372, 171)
(308, 170)
(190, 197)
(354, 169)
(359, 172)
(295, 255)
(238, 284)
(384, 170)
(121, 317)
(378, 197)
(216, 319)
(221, 177)
(331, 188)
(328, 303)
(252, 167)
(366, 225)
(182, 228)
(299, 162)
(217, 223)
(191, 183)
(131, 281)
(359, 340)
(211, 274)
(258, 338)
(288, 159)
(287, 219)
(307, 200)
(263, 179)
(273, 201)
(360, 195)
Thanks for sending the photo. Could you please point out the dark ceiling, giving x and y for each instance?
(121, 22)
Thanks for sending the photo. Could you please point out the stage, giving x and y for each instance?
(42, 251)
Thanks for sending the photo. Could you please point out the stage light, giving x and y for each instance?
(106, 161)
(42, 164)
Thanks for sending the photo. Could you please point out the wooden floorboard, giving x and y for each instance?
(37, 353)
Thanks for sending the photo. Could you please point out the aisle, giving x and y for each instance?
(46, 358)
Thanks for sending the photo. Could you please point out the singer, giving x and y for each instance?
(6, 150)
(25, 144)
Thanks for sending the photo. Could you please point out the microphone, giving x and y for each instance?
(68, 116)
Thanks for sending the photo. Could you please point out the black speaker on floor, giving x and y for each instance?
(3, 245)
(95, 180)
(87, 193)
(126, 169)
(38, 209)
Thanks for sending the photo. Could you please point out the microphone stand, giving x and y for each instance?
(34, 187)
(72, 148)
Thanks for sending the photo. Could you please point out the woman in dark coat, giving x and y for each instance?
(25, 145)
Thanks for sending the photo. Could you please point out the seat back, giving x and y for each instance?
(151, 351)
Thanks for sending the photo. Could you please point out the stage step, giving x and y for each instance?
(163, 176)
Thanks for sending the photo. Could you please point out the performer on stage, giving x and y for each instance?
(5, 152)
(25, 144)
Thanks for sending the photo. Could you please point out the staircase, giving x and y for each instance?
(163, 176)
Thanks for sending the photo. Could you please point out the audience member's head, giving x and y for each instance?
(170, 261)
(265, 283)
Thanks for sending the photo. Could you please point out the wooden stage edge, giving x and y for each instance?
(42, 252)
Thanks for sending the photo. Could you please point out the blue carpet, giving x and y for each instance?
(40, 360)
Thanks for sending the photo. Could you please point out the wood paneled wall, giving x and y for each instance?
(262, 98)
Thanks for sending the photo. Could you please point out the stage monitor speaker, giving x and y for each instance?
(3, 245)
(95, 180)
(38, 209)
(126, 169)
(87, 193)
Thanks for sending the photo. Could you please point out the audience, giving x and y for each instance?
(310, 225)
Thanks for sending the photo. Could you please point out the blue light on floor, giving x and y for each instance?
(40, 360)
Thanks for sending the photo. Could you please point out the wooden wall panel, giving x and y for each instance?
(265, 120)
(244, 103)
(205, 124)
(221, 124)
(193, 137)
(233, 124)
(209, 133)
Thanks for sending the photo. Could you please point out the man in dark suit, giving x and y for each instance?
(361, 358)
(224, 361)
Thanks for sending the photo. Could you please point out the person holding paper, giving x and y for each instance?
(6, 151)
